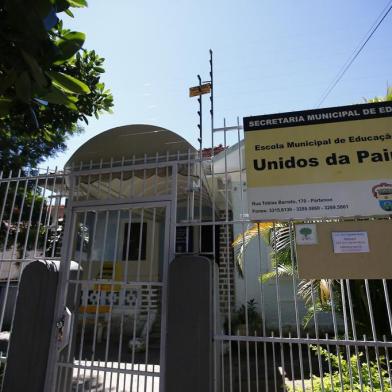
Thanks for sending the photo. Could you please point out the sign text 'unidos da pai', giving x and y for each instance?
(333, 162)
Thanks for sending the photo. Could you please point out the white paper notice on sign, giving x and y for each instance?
(350, 242)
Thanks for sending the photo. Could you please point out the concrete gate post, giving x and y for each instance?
(189, 347)
(33, 322)
(32, 327)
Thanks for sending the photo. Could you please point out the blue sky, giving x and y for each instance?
(269, 57)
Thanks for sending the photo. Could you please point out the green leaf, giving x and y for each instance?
(99, 69)
(23, 87)
(5, 106)
(69, 13)
(36, 70)
(267, 276)
(56, 96)
(68, 83)
(78, 3)
(68, 45)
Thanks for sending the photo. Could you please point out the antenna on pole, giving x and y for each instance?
(200, 113)
(204, 87)
(212, 92)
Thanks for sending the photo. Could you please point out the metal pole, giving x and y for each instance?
(212, 94)
(200, 113)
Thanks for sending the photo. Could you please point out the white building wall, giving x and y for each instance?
(257, 262)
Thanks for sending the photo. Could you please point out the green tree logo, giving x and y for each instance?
(306, 231)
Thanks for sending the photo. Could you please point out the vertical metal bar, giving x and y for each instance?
(239, 364)
(200, 113)
(62, 290)
(189, 213)
(388, 363)
(109, 323)
(139, 261)
(292, 362)
(170, 238)
(144, 177)
(317, 336)
(140, 245)
(150, 291)
(212, 93)
(102, 258)
(277, 283)
(56, 216)
(388, 305)
(132, 186)
(24, 253)
(156, 175)
(346, 331)
(122, 292)
(274, 363)
(86, 288)
(215, 274)
(368, 364)
(40, 213)
(295, 284)
(335, 328)
(200, 201)
(374, 333)
(110, 191)
(262, 304)
(89, 263)
(354, 330)
(73, 322)
(310, 363)
(49, 215)
(125, 280)
(227, 258)
(256, 366)
(222, 365)
(244, 256)
(89, 182)
(168, 188)
(79, 179)
(329, 364)
(99, 182)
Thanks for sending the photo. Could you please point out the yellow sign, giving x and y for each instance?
(320, 163)
(200, 90)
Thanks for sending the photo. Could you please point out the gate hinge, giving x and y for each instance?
(64, 329)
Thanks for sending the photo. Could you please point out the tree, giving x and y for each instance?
(387, 97)
(306, 231)
(316, 293)
(48, 82)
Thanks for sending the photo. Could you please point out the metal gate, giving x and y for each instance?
(118, 296)
(119, 237)
(120, 223)
(277, 332)
(112, 226)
